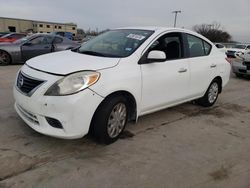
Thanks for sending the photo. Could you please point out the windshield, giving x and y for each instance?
(116, 43)
(24, 39)
(239, 46)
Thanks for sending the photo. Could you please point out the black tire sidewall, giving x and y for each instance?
(204, 101)
(5, 63)
(101, 116)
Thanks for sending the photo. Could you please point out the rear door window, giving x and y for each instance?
(41, 40)
(197, 47)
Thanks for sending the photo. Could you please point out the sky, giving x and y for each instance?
(234, 16)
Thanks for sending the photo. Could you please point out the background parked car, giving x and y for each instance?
(12, 37)
(32, 46)
(241, 67)
(87, 38)
(68, 35)
(237, 50)
(3, 33)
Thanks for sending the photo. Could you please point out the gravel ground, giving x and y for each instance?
(183, 146)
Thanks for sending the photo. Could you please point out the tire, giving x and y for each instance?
(5, 58)
(110, 119)
(211, 94)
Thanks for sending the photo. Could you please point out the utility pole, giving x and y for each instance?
(175, 17)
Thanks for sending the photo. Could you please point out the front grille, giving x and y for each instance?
(26, 84)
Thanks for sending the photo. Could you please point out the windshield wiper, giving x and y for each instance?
(92, 53)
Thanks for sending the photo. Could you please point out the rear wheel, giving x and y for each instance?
(211, 94)
(4, 58)
(110, 119)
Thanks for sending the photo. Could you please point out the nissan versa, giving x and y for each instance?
(115, 78)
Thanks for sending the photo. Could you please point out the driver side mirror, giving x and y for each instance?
(157, 56)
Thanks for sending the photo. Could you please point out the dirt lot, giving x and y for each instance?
(184, 146)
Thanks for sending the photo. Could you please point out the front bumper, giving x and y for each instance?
(239, 68)
(74, 112)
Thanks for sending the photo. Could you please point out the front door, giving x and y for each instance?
(36, 46)
(165, 83)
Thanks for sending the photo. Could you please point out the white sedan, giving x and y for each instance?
(117, 77)
(241, 66)
(238, 50)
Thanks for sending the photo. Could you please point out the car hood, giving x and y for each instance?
(66, 62)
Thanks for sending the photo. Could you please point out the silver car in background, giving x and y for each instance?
(32, 46)
(241, 66)
(237, 50)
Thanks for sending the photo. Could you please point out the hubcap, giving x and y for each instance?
(4, 58)
(117, 120)
(213, 92)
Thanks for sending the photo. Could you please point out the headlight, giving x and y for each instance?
(73, 83)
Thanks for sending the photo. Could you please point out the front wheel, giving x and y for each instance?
(110, 119)
(211, 94)
(4, 58)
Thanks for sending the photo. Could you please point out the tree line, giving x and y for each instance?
(213, 32)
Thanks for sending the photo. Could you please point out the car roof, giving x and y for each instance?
(45, 34)
(154, 28)
(42, 34)
(242, 44)
(159, 30)
(9, 34)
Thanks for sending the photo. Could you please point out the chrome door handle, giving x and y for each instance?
(213, 66)
(181, 70)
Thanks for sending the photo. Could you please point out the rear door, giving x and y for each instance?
(58, 44)
(203, 67)
(36, 46)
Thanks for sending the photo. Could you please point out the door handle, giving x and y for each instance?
(46, 47)
(213, 66)
(182, 70)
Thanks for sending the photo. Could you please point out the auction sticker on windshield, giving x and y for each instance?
(136, 37)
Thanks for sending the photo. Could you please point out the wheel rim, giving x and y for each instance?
(117, 120)
(213, 92)
(4, 58)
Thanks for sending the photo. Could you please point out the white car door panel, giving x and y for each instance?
(164, 83)
(202, 71)
(203, 68)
